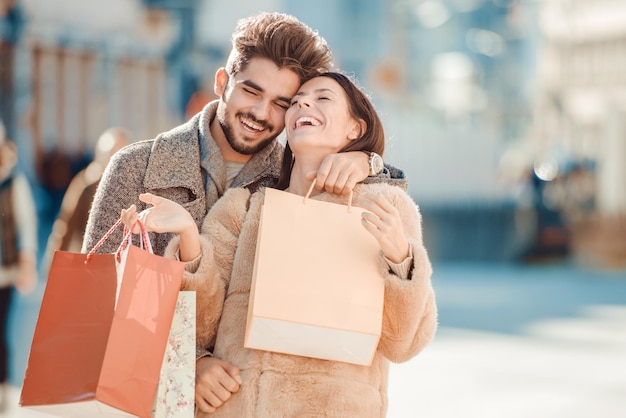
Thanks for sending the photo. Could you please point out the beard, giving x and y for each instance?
(242, 144)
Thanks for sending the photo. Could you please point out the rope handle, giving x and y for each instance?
(144, 240)
(311, 190)
(104, 238)
(123, 244)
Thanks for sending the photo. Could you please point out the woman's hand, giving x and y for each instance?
(166, 216)
(216, 381)
(384, 223)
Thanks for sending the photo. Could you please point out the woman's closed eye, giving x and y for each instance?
(295, 102)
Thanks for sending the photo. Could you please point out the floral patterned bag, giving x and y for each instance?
(175, 393)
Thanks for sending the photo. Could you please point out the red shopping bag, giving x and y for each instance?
(101, 333)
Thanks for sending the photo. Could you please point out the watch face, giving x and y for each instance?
(377, 163)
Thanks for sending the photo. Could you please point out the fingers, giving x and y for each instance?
(373, 223)
(380, 206)
(216, 381)
(339, 173)
(127, 214)
(150, 199)
(384, 223)
(322, 175)
(129, 218)
(203, 405)
(374, 220)
(347, 184)
(329, 180)
(234, 373)
(340, 182)
(212, 399)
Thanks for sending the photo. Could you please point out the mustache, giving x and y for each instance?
(253, 118)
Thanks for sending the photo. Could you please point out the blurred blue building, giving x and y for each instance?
(457, 84)
(452, 81)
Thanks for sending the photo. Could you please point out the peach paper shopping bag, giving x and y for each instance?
(317, 288)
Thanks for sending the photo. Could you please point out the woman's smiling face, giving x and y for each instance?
(319, 117)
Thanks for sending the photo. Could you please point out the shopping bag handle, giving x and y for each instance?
(144, 239)
(311, 189)
(127, 238)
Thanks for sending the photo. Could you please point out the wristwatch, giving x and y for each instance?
(376, 163)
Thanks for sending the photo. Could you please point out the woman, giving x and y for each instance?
(328, 114)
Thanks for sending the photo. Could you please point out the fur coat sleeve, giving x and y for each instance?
(218, 240)
(410, 312)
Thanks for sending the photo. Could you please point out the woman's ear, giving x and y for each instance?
(221, 80)
(358, 128)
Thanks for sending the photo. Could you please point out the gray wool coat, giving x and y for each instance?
(171, 166)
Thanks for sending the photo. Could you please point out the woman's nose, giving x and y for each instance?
(304, 102)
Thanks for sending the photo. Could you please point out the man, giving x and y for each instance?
(230, 143)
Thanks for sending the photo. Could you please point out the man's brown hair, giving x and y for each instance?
(284, 40)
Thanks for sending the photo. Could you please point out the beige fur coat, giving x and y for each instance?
(279, 385)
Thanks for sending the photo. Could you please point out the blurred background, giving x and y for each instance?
(507, 116)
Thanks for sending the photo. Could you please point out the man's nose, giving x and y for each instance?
(262, 109)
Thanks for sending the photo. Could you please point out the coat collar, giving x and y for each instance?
(177, 154)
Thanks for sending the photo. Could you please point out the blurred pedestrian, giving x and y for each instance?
(69, 227)
(18, 245)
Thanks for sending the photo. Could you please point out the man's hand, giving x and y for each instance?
(216, 381)
(339, 173)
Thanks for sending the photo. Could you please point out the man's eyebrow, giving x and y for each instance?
(255, 86)
(252, 84)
